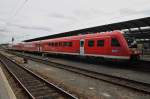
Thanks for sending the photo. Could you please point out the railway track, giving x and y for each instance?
(35, 86)
(136, 85)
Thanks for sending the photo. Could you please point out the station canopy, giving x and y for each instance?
(132, 28)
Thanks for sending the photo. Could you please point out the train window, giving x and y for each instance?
(70, 44)
(91, 43)
(59, 43)
(100, 43)
(65, 44)
(52, 44)
(56, 44)
(115, 42)
(49, 44)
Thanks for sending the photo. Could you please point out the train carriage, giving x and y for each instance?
(108, 45)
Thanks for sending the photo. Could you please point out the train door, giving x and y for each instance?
(39, 47)
(82, 47)
(115, 47)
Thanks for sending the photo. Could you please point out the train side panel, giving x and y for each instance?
(61, 46)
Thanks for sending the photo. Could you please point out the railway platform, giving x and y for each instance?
(5, 89)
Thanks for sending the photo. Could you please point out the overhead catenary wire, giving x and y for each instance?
(15, 13)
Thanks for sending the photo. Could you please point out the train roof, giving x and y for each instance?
(85, 36)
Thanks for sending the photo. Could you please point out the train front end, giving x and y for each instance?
(134, 51)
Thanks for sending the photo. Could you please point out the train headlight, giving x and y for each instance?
(136, 52)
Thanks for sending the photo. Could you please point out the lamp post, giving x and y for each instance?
(12, 40)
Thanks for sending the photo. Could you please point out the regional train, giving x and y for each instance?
(106, 45)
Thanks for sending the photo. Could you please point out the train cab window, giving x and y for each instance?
(115, 42)
(91, 43)
(100, 43)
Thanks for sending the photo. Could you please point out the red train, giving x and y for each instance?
(107, 45)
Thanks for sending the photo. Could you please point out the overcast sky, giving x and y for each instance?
(24, 19)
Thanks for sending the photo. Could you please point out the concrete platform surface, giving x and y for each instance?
(5, 89)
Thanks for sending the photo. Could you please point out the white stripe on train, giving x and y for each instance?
(105, 56)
